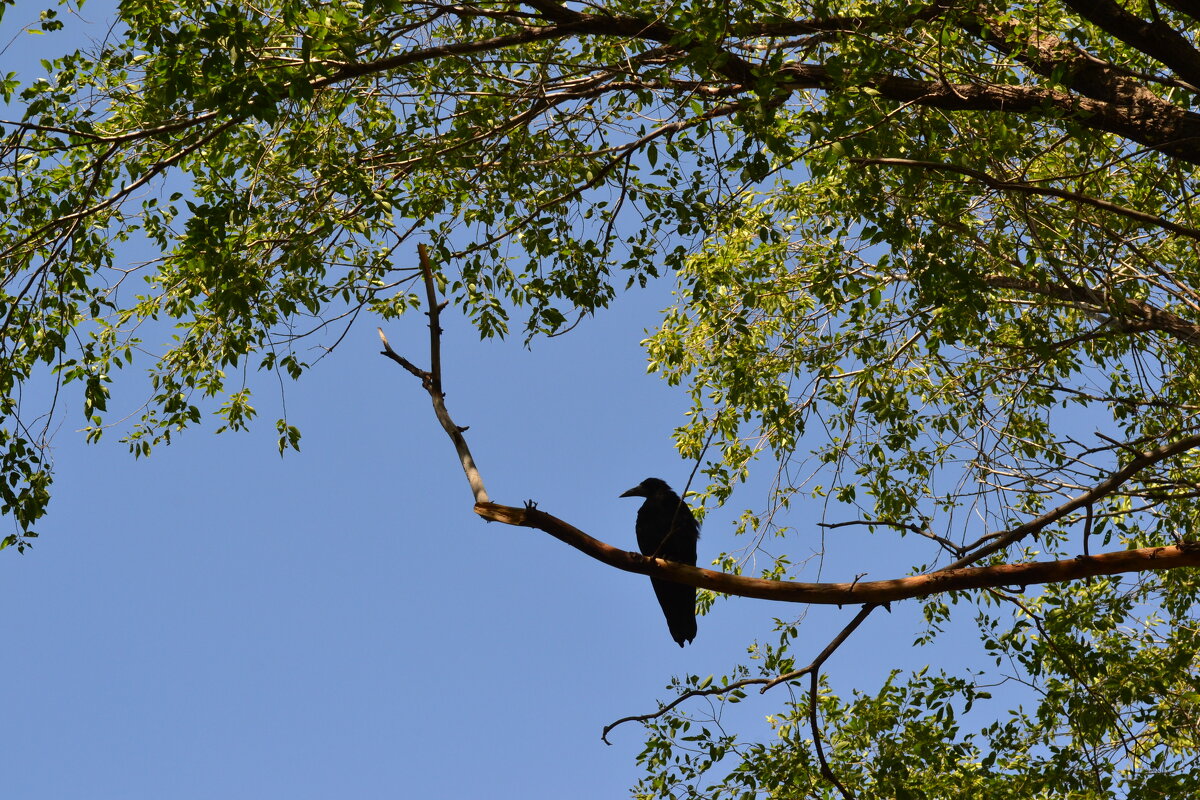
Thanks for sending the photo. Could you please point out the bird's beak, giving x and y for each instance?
(632, 492)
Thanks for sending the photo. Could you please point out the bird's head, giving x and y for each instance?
(648, 488)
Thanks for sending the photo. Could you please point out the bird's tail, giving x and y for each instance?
(678, 602)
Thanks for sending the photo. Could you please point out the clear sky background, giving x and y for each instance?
(217, 621)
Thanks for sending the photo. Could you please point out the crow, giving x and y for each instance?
(667, 529)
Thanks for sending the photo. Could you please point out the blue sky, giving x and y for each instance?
(217, 621)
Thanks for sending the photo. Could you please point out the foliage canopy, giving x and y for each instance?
(937, 263)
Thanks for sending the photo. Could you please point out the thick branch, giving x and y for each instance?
(1152, 317)
(1115, 104)
(948, 580)
(1132, 112)
(1156, 39)
(1024, 187)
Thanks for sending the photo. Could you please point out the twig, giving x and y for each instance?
(402, 361)
(1087, 531)
(685, 696)
(686, 487)
(766, 683)
(917, 529)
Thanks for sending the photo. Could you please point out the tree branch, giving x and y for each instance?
(432, 380)
(1156, 39)
(1150, 120)
(1115, 104)
(957, 577)
(1025, 187)
(871, 594)
(826, 771)
(1123, 307)
(951, 579)
(766, 683)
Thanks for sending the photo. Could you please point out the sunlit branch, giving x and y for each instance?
(951, 579)
(1140, 311)
(1170, 129)
(957, 577)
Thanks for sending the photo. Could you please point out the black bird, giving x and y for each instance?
(667, 529)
